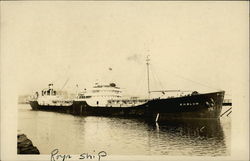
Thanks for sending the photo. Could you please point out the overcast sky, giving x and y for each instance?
(192, 45)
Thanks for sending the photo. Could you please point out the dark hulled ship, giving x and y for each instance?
(107, 100)
(191, 106)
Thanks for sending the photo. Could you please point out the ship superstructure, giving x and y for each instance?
(107, 100)
(107, 95)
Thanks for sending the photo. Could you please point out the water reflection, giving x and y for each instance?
(189, 137)
(137, 137)
(193, 128)
(120, 136)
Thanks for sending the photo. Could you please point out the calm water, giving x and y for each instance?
(76, 135)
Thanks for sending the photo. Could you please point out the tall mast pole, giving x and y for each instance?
(148, 75)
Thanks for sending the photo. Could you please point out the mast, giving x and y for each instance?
(148, 75)
(76, 90)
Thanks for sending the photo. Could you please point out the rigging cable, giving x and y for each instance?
(157, 78)
(65, 83)
(187, 79)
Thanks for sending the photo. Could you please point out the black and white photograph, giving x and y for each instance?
(124, 80)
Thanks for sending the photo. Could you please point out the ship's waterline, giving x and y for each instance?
(105, 100)
(119, 136)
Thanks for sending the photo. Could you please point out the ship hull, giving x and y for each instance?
(198, 106)
(201, 106)
(63, 109)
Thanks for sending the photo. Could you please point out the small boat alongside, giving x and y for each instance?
(227, 102)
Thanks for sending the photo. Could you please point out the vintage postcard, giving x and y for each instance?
(124, 80)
